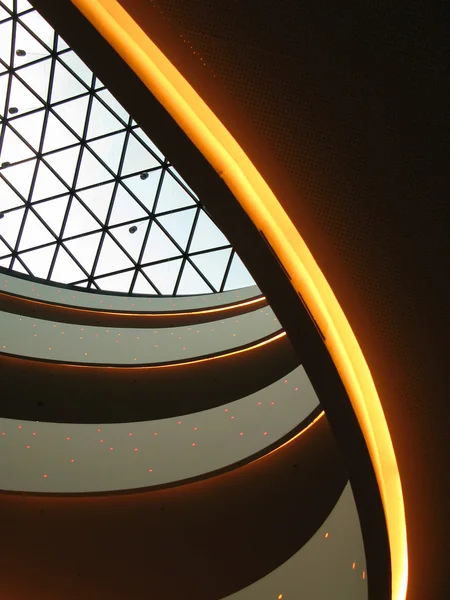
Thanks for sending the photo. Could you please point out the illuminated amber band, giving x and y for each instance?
(223, 152)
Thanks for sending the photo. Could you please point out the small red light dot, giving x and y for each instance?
(285, 381)
(265, 433)
(98, 430)
(296, 389)
(155, 433)
(67, 438)
(101, 441)
(150, 470)
(242, 433)
(193, 443)
(111, 448)
(19, 426)
(3, 433)
(232, 417)
(179, 422)
(195, 428)
(45, 476)
(28, 446)
(130, 433)
(272, 403)
(226, 410)
(135, 449)
(326, 535)
(72, 460)
(34, 433)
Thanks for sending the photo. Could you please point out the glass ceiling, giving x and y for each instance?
(86, 198)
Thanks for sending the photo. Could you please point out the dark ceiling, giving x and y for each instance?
(347, 102)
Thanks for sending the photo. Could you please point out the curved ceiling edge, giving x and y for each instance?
(31, 337)
(337, 542)
(72, 458)
(68, 314)
(258, 201)
(44, 291)
(46, 391)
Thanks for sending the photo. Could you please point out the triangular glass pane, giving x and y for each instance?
(30, 127)
(66, 270)
(61, 44)
(57, 135)
(10, 226)
(5, 41)
(73, 61)
(111, 258)
(22, 6)
(27, 43)
(65, 85)
(116, 283)
(142, 286)
(179, 225)
(102, 121)
(98, 199)
(98, 84)
(34, 233)
(158, 246)
(4, 78)
(137, 158)
(19, 267)
(20, 176)
(79, 220)
(85, 249)
(164, 275)
(4, 14)
(5, 262)
(125, 208)
(8, 197)
(13, 148)
(109, 149)
(178, 177)
(192, 283)
(4, 250)
(64, 163)
(91, 171)
(148, 142)
(53, 212)
(207, 235)
(73, 113)
(144, 189)
(116, 107)
(39, 27)
(39, 261)
(172, 195)
(238, 276)
(132, 242)
(37, 76)
(46, 184)
(213, 265)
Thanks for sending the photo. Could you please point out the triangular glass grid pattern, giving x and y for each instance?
(86, 198)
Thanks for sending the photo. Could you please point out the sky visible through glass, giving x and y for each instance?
(86, 198)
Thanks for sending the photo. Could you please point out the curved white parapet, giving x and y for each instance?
(332, 564)
(122, 303)
(64, 342)
(73, 458)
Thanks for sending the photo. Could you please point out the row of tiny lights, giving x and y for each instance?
(155, 434)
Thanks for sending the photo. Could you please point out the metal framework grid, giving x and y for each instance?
(86, 198)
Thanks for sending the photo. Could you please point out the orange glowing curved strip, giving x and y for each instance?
(248, 186)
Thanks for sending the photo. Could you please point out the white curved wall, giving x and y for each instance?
(107, 302)
(105, 457)
(65, 342)
(330, 566)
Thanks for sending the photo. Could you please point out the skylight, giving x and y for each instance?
(86, 198)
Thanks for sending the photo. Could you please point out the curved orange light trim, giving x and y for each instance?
(194, 312)
(248, 186)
